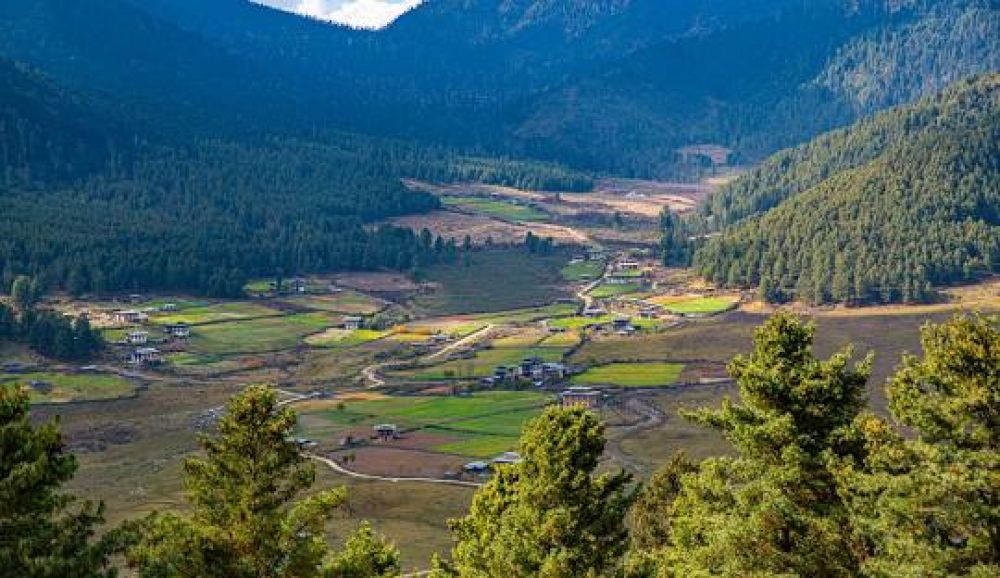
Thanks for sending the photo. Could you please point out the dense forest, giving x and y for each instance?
(88, 208)
(882, 212)
(607, 85)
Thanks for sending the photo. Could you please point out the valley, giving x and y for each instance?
(454, 360)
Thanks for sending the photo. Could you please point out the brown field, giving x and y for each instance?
(398, 461)
(377, 282)
(479, 228)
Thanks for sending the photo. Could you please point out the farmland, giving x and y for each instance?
(257, 335)
(696, 305)
(648, 374)
(478, 425)
(214, 313)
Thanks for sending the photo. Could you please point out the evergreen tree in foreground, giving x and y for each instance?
(773, 509)
(930, 505)
(248, 519)
(41, 536)
(549, 516)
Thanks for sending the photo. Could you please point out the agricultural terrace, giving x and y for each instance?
(498, 209)
(52, 387)
(631, 375)
(480, 425)
(694, 305)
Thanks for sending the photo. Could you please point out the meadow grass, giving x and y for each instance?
(582, 271)
(257, 335)
(67, 387)
(495, 208)
(631, 375)
(227, 311)
(493, 280)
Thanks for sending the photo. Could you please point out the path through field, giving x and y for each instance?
(332, 464)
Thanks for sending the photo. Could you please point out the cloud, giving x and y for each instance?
(359, 13)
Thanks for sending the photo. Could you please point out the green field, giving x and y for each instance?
(71, 387)
(700, 305)
(493, 280)
(257, 335)
(582, 271)
(631, 375)
(228, 311)
(505, 210)
(605, 290)
(579, 322)
(562, 339)
(482, 365)
(344, 337)
(480, 425)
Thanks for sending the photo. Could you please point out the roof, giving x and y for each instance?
(476, 466)
(147, 351)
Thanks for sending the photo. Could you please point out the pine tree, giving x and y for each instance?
(549, 516)
(773, 508)
(365, 555)
(248, 519)
(930, 505)
(41, 535)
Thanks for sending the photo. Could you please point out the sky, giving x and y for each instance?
(358, 13)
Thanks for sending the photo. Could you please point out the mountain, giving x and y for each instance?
(881, 212)
(617, 86)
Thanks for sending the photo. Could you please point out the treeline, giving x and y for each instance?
(883, 212)
(814, 486)
(50, 333)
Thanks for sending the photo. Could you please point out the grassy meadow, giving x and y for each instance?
(649, 374)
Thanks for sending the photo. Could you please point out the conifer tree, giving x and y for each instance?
(549, 516)
(41, 534)
(930, 505)
(365, 555)
(248, 517)
(773, 509)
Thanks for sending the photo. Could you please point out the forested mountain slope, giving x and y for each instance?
(877, 213)
(90, 204)
(612, 85)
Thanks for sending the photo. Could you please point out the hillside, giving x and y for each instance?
(608, 85)
(91, 207)
(881, 212)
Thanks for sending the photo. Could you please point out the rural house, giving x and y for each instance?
(581, 397)
(128, 317)
(353, 323)
(386, 431)
(179, 330)
(145, 356)
(137, 337)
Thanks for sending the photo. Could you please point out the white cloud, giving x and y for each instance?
(359, 13)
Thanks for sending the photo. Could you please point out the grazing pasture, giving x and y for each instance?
(582, 271)
(481, 364)
(498, 209)
(344, 337)
(493, 280)
(53, 387)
